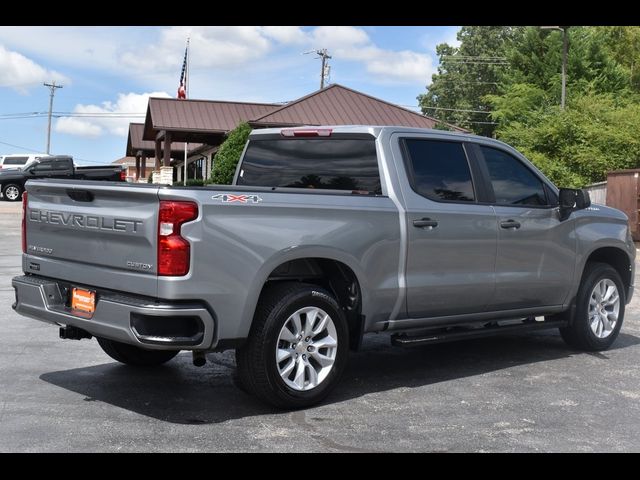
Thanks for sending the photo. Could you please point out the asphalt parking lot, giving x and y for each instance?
(514, 393)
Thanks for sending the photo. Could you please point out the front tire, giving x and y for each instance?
(297, 348)
(599, 309)
(134, 356)
(12, 192)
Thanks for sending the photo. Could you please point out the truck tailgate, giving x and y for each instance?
(84, 232)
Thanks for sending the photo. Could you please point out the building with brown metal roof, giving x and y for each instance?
(139, 150)
(171, 121)
(339, 105)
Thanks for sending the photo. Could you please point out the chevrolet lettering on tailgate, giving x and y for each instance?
(78, 220)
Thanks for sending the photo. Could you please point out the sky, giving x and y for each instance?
(108, 73)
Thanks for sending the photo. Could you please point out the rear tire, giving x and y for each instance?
(297, 347)
(593, 327)
(12, 192)
(134, 356)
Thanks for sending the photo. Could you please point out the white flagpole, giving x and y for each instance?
(186, 90)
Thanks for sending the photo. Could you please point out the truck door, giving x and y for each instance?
(536, 251)
(43, 169)
(451, 236)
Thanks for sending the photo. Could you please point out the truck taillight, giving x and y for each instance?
(174, 251)
(123, 175)
(24, 222)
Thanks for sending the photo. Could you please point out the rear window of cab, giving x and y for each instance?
(316, 163)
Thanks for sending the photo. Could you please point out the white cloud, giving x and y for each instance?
(110, 117)
(235, 46)
(401, 66)
(352, 43)
(286, 34)
(20, 72)
(219, 47)
(85, 47)
(340, 37)
(74, 126)
(152, 56)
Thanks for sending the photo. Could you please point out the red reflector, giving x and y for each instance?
(24, 222)
(174, 252)
(306, 132)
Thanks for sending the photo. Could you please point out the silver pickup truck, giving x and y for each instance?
(326, 234)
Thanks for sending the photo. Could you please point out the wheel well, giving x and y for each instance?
(334, 276)
(615, 257)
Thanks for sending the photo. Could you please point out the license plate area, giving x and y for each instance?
(83, 301)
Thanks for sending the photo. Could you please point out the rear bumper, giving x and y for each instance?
(139, 321)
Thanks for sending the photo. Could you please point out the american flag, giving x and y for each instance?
(182, 90)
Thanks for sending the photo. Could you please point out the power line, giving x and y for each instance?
(67, 115)
(20, 147)
(478, 57)
(459, 110)
(466, 62)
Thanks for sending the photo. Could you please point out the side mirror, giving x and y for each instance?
(572, 199)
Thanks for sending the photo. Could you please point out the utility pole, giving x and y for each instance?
(324, 69)
(565, 43)
(52, 87)
(564, 67)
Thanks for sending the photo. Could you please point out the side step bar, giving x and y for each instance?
(406, 340)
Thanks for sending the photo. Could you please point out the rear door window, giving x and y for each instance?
(15, 160)
(439, 170)
(336, 164)
(43, 166)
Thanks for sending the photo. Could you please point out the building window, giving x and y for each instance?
(195, 169)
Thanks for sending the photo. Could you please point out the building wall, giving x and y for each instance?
(201, 170)
(131, 171)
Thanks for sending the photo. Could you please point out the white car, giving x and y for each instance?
(18, 160)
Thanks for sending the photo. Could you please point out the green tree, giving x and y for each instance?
(575, 147)
(622, 43)
(597, 131)
(226, 159)
(466, 75)
(535, 58)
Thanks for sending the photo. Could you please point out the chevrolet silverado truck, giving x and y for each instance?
(326, 234)
(55, 166)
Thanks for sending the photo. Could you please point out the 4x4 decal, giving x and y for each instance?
(231, 198)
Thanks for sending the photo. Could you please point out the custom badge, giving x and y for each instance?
(232, 198)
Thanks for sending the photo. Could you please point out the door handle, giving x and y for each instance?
(425, 223)
(510, 224)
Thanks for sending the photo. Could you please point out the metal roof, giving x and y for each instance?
(135, 143)
(339, 105)
(131, 162)
(200, 119)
